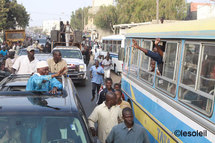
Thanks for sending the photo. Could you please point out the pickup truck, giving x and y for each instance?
(75, 63)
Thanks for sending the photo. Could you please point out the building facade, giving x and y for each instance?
(50, 25)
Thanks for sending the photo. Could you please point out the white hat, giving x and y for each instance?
(42, 64)
(30, 48)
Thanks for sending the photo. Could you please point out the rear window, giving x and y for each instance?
(44, 129)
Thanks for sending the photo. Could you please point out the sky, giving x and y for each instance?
(41, 10)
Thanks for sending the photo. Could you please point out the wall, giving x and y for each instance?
(204, 12)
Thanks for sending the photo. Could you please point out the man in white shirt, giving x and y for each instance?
(107, 115)
(25, 64)
(107, 66)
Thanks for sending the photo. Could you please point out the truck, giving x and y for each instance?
(14, 36)
(75, 38)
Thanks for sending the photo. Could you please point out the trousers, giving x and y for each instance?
(95, 88)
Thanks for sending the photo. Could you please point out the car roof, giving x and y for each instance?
(66, 47)
(27, 101)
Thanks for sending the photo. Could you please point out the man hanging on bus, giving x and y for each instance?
(156, 54)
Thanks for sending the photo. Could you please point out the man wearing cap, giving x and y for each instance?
(10, 60)
(41, 81)
(25, 64)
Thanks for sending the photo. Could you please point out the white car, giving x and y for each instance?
(75, 63)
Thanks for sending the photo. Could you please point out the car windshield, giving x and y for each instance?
(75, 54)
(24, 52)
(41, 129)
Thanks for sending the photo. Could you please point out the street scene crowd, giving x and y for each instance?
(111, 120)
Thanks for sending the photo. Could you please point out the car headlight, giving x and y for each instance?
(81, 67)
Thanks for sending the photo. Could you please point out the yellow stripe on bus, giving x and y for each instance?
(193, 25)
(153, 128)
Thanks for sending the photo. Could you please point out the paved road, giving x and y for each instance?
(85, 92)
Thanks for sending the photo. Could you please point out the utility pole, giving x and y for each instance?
(157, 11)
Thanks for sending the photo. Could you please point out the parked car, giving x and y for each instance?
(24, 51)
(75, 63)
(38, 117)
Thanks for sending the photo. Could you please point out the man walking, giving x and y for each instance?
(107, 115)
(108, 88)
(121, 103)
(106, 63)
(128, 131)
(96, 73)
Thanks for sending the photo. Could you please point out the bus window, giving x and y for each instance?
(134, 59)
(167, 81)
(195, 100)
(126, 59)
(118, 46)
(190, 63)
(189, 92)
(114, 50)
(121, 54)
(207, 76)
(145, 71)
(170, 60)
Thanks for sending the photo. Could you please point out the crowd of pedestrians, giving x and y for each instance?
(113, 115)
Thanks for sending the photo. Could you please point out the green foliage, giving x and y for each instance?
(79, 18)
(3, 14)
(13, 15)
(145, 10)
(127, 11)
(106, 17)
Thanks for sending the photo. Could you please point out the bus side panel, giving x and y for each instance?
(169, 123)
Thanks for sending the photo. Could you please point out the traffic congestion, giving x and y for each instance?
(108, 72)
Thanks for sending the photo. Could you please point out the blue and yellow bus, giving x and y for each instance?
(177, 106)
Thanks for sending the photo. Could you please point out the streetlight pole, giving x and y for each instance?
(157, 11)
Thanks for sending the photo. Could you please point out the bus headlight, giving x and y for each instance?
(81, 67)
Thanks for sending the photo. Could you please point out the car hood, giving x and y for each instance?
(74, 61)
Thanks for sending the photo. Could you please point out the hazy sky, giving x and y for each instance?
(41, 10)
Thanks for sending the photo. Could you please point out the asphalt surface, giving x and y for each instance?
(85, 92)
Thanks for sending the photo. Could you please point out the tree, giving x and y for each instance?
(106, 17)
(79, 18)
(13, 15)
(174, 10)
(145, 10)
(3, 14)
